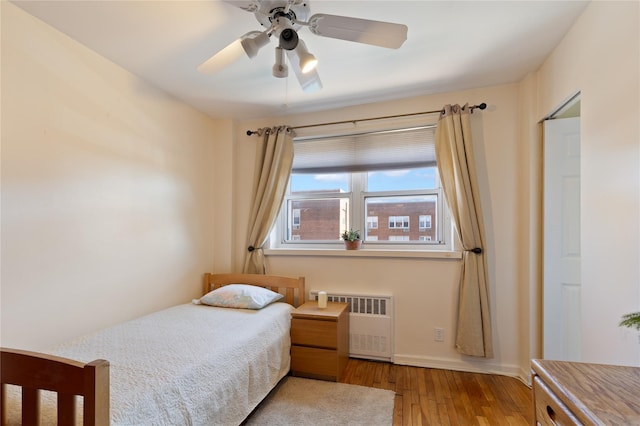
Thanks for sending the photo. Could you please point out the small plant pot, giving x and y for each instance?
(352, 245)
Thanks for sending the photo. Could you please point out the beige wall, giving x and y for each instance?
(222, 168)
(425, 290)
(530, 229)
(107, 190)
(599, 58)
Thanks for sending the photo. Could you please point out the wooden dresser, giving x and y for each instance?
(574, 393)
(320, 340)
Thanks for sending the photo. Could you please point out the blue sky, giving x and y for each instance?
(422, 178)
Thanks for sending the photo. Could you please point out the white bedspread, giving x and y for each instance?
(190, 364)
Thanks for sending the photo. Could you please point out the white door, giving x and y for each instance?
(561, 291)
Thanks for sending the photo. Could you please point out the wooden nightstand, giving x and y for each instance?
(320, 340)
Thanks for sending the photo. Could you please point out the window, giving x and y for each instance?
(425, 221)
(379, 183)
(398, 222)
(295, 219)
(372, 222)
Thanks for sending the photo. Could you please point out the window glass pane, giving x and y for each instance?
(401, 218)
(394, 180)
(326, 182)
(320, 219)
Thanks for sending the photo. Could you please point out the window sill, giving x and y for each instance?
(409, 254)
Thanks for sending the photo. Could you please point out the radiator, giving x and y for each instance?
(370, 324)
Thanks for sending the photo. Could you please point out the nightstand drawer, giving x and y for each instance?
(309, 332)
(314, 362)
(549, 410)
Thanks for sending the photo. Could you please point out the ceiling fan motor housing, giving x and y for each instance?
(271, 10)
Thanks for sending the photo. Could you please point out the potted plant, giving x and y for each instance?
(631, 320)
(351, 239)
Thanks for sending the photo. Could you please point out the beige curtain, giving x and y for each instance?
(273, 168)
(457, 173)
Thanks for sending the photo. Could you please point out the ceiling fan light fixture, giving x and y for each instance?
(308, 62)
(287, 34)
(252, 45)
(280, 68)
(289, 39)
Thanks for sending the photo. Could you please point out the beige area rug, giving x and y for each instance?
(299, 402)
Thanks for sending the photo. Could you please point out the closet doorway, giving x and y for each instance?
(562, 337)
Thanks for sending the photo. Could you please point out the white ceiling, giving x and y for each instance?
(451, 46)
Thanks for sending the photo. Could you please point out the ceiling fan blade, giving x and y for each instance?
(377, 33)
(248, 5)
(249, 44)
(223, 58)
(310, 81)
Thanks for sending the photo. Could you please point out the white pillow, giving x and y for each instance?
(242, 296)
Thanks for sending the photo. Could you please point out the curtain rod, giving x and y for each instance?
(439, 111)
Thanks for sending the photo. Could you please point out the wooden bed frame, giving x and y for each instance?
(279, 284)
(35, 371)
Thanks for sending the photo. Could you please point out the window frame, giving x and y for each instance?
(357, 196)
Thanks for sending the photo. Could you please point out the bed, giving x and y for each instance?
(189, 364)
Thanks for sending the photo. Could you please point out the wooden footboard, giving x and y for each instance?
(292, 288)
(35, 372)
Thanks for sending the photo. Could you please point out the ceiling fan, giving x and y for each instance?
(282, 20)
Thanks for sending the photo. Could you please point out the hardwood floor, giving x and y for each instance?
(427, 396)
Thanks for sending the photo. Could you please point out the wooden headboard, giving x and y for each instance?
(285, 285)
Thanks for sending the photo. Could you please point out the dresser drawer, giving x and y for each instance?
(309, 332)
(549, 410)
(314, 362)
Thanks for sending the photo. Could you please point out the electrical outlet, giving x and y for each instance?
(438, 334)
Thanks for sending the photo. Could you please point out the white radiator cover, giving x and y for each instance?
(370, 324)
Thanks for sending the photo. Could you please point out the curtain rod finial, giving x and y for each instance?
(250, 132)
(482, 106)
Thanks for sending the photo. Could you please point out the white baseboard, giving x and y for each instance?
(462, 365)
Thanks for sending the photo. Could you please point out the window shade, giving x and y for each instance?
(382, 150)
